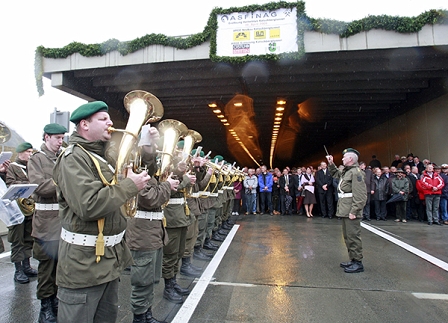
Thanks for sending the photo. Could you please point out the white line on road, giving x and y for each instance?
(430, 296)
(5, 254)
(407, 247)
(186, 311)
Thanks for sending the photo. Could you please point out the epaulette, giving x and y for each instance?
(67, 151)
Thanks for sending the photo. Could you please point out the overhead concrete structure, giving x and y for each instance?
(341, 88)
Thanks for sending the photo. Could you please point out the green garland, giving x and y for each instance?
(304, 23)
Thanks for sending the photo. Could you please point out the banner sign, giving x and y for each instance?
(257, 33)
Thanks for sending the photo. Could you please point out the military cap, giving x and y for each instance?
(201, 153)
(350, 150)
(23, 146)
(180, 144)
(86, 110)
(54, 129)
(219, 158)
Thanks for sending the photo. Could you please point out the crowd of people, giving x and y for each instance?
(78, 233)
(409, 189)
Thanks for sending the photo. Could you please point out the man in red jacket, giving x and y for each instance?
(432, 184)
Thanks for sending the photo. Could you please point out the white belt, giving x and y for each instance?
(195, 194)
(46, 207)
(179, 200)
(90, 240)
(342, 195)
(149, 215)
(225, 187)
(220, 191)
(229, 188)
(214, 194)
(204, 193)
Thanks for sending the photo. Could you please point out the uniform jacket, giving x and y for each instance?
(146, 234)
(83, 199)
(175, 213)
(46, 224)
(430, 181)
(17, 173)
(322, 179)
(351, 180)
(265, 181)
(401, 185)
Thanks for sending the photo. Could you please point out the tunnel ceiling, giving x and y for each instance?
(329, 96)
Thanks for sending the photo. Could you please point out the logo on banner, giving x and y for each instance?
(260, 34)
(241, 36)
(274, 33)
(241, 48)
(272, 47)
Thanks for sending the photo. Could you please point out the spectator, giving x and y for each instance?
(409, 160)
(265, 186)
(420, 166)
(276, 193)
(250, 186)
(432, 185)
(381, 187)
(286, 185)
(374, 162)
(370, 190)
(397, 161)
(400, 185)
(444, 195)
(237, 188)
(412, 204)
(324, 182)
(307, 184)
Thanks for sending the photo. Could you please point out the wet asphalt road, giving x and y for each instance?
(286, 269)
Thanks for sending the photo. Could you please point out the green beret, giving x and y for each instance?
(54, 129)
(350, 150)
(86, 110)
(180, 144)
(23, 146)
(219, 157)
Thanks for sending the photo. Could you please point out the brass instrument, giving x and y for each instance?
(5, 133)
(171, 130)
(190, 139)
(143, 107)
(26, 206)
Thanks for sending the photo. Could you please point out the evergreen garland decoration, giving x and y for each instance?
(304, 23)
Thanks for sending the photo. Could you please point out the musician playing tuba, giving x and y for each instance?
(20, 235)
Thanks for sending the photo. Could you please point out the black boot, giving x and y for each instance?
(30, 272)
(187, 270)
(170, 293)
(178, 289)
(227, 226)
(208, 244)
(217, 237)
(346, 264)
(54, 304)
(46, 314)
(355, 267)
(139, 318)
(223, 232)
(200, 255)
(150, 318)
(19, 275)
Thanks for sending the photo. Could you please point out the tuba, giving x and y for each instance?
(26, 206)
(191, 138)
(143, 108)
(5, 133)
(171, 130)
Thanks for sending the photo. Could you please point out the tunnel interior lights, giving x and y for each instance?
(278, 118)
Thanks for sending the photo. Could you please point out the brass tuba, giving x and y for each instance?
(5, 133)
(143, 107)
(26, 206)
(191, 138)
(171, 130)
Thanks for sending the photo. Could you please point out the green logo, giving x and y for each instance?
(272, 47)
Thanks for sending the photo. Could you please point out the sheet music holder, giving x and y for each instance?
(16, 191)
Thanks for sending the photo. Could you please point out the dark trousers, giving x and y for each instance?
(173, 251)
(400, 208)
(380, 209)
(46, 252)
(21, 240)
(326, 203)
(265, 201)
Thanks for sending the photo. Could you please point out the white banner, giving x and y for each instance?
(257, 33)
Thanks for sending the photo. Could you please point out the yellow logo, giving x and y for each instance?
(241, 36)
(274, 33)
(260, 34)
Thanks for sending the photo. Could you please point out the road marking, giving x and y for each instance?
(5, 254)
(186, 311)
(233, 284)
(430, 296)
(418, 252)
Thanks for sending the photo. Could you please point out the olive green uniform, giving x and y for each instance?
(88, 288)
(351, 182)
(20, 235)
(46, 222)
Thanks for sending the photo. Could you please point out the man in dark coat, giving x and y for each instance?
(324, 182)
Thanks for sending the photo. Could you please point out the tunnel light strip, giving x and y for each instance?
(278, 118)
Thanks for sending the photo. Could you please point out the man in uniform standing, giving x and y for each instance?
(20, 235)
(352, 197)
(46, 223)
(92, 252)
